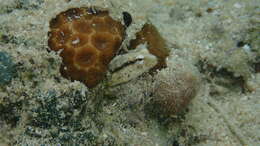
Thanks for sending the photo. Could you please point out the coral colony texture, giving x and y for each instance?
(88, 39)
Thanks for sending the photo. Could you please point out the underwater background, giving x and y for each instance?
(130, 72)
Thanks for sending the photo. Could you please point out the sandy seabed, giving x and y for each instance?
(215, 40)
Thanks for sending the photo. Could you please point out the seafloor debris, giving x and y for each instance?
(88, 39)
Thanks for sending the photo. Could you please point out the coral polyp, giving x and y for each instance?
(87, 39)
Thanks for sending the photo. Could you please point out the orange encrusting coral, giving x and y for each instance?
(156, 44)
(88, 39)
